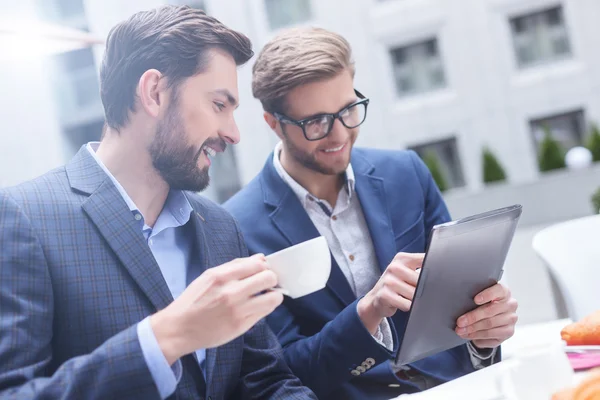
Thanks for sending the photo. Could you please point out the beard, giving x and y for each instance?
(174, 159)
(309, 160)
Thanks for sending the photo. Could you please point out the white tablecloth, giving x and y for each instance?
(490, 383)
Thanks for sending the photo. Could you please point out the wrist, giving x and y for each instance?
(368, 314)
(166, 335)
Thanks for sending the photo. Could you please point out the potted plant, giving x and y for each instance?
(432, 162)
(492, 170)
(596, 201)
(551, 154)
(593, 142)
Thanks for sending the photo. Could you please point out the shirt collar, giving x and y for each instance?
(177, 203)
(303, 194)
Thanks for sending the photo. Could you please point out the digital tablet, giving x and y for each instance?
(463, 258)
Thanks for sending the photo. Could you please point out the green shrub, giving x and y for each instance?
(593, 142)
(492, 170)
(432, 162)
(551, 154)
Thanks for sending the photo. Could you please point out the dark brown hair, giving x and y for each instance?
(174, 40)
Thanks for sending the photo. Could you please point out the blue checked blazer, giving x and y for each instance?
(76, 276)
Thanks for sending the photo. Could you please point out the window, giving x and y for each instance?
(199, 4)
(281, 13)
(82, 134)
(418, 68)
(70, 13)
(224, 175)
(444, 153)
(78, 80)
(568, 129)
(540, 37)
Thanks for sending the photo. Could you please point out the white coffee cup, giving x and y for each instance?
(302, 269)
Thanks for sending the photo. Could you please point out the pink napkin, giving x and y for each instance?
(582, 361)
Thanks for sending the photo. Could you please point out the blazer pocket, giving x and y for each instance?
(409, 236)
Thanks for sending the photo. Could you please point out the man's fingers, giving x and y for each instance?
(256, 283)
(258, 307)
(486, 311)
(394, 301)
(402, 273)
(411, 260)
(500, 333)
(487, 343)
(493, 293)
(240, 268)
(399, 287)
(488, 323)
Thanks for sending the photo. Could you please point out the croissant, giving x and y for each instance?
(583, 332)
(588, 389)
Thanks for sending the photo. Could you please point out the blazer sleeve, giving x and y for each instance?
(329, 358)
(116, 369)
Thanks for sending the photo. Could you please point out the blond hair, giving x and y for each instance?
(296, 57)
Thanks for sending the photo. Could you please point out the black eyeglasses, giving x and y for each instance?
(318, 126)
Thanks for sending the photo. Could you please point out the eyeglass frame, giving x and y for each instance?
(301, 123)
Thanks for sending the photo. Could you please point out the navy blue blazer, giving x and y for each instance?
(76, 276)
(322, 336)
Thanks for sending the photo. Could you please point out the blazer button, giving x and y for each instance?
(365, 365)
(370, 361)
(361, 369)
(355, 372)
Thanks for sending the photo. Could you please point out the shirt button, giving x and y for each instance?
(334, 218)
(138, 217)
(351, 257)
(151, 242)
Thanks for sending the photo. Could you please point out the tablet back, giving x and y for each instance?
(463, 258)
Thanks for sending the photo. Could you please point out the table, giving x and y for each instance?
(530, 335)
(486, 384)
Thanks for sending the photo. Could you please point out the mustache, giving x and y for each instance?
(216, 143)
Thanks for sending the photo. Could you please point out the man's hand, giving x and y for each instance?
(220, 305)
(493, 321)
(394, 291)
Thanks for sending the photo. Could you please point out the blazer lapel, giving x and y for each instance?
(371, 193)
(202, 261)
(296, 226)
(110, 214)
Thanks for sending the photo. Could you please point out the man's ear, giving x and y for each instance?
(150, 92)
(273, 123)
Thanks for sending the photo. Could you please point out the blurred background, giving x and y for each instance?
(500, 98)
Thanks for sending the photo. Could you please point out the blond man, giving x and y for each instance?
(374, 207)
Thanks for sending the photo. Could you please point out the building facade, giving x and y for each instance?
(445, 78)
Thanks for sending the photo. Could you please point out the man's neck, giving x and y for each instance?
(324, 187)
(130, 163)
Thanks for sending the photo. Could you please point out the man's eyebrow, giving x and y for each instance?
(230, 98)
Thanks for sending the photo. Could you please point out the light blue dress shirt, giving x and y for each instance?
(171, 248)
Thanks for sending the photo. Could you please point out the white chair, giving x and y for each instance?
(571, 251)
